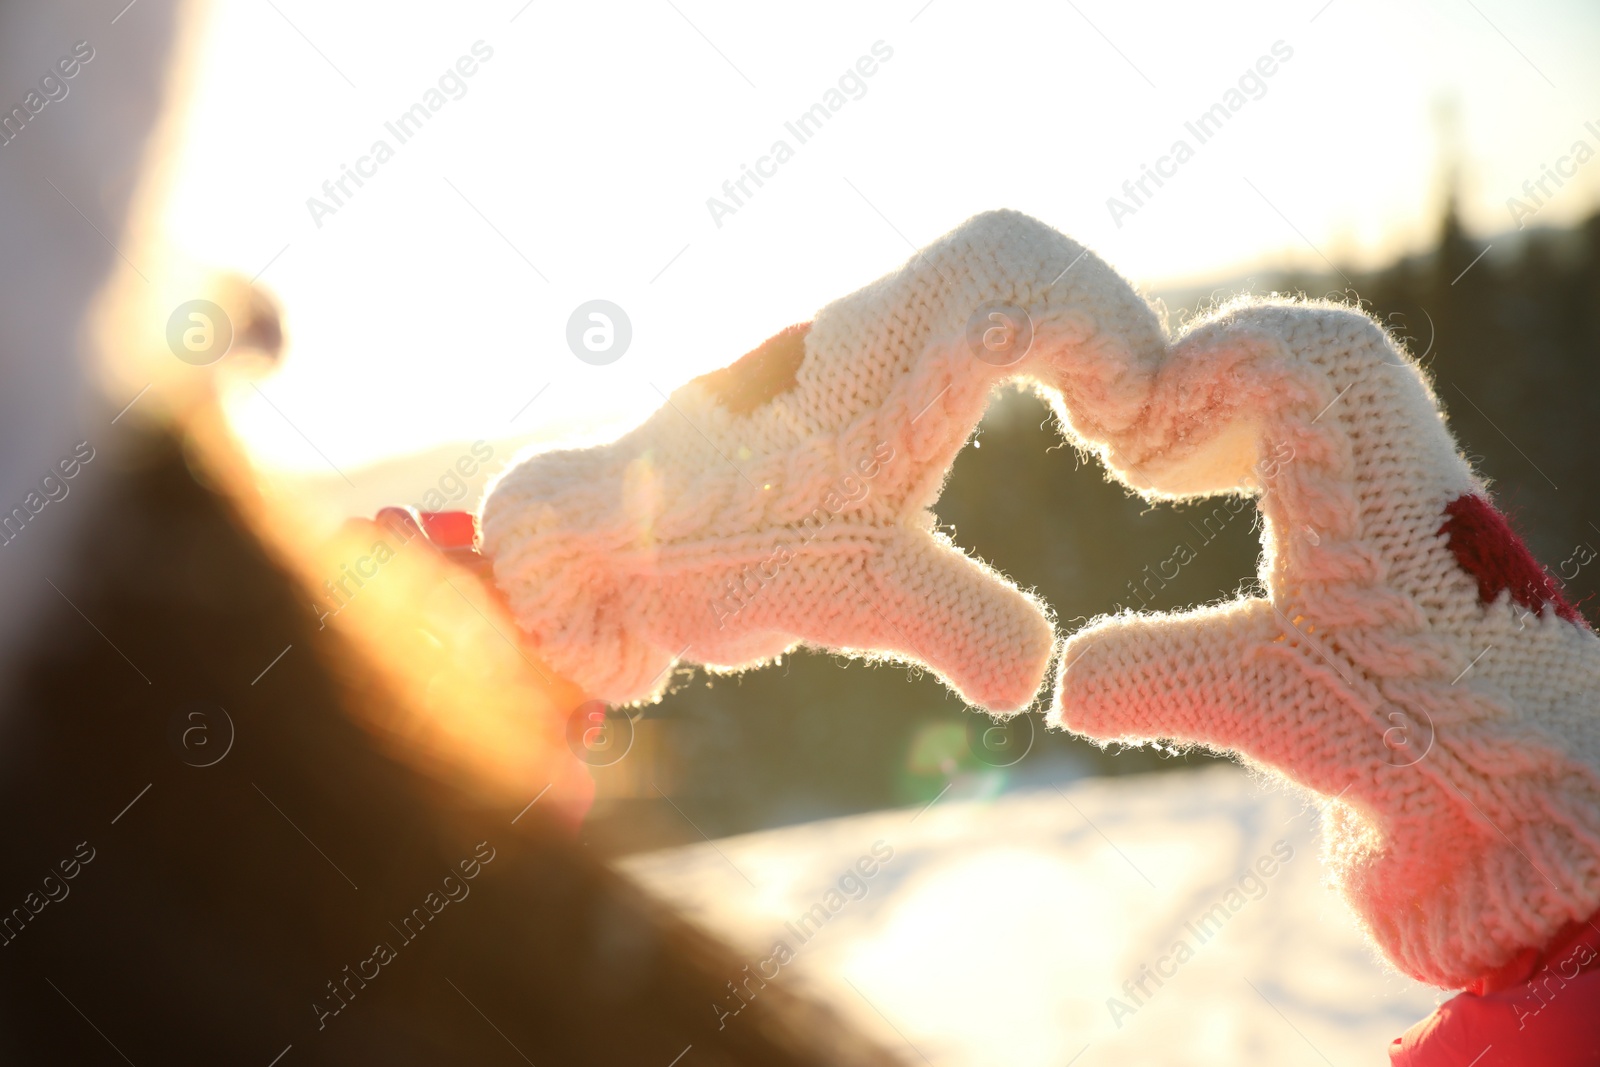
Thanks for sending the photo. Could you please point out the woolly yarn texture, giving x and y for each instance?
(1408, 660)
(785, 500)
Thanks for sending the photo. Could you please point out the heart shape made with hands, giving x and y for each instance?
(786, 499)
(1405, 657)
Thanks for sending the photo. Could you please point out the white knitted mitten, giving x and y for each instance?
(1409, 660)
(785, 499)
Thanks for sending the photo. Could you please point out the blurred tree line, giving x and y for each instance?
(1512, 340)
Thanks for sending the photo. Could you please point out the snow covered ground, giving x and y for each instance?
(1016, 930)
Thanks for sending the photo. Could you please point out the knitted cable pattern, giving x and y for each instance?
(786, 499)
(1409, 660)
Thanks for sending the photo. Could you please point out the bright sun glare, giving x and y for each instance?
(427, 297)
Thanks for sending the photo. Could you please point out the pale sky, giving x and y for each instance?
(432, 305)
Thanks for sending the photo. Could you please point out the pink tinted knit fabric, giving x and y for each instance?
(1454, 740)
(733, 524)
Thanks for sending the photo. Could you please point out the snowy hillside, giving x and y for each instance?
(1017, 931)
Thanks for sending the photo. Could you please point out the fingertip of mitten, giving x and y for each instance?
(1090, 690)
(1066, 711)
(1019, 678)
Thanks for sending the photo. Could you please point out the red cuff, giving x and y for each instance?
(1541, 1009)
